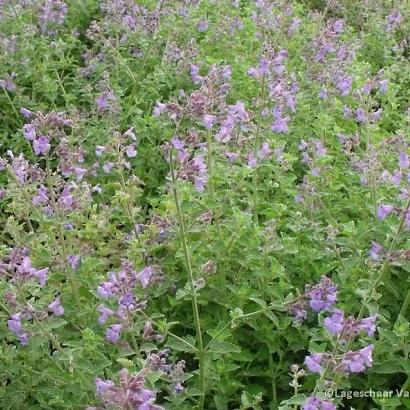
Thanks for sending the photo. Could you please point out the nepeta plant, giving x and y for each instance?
(203, 204)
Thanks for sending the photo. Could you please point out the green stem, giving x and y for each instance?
(61, 239)
(193, 348)
(188, 266)
(128, 210)
(255, 153)
(228, 324)
(405, 305)
(211, 188)
(273, 376)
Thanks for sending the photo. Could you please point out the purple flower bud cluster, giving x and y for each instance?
(376, 251)
(8, 82)
(56, 308)
(207, 103)
(120, 286)
(130, 393)
(127, 18)
(14, 324)
(318, 298)
(52, 15)
(237, 117)
(349, 328)
(17, 267)
(43, 128)
(393, 20)
(316, 403)
(117, 154)
(350, 362)
(311, 151)
(193, 169)
(106, 102)
(282, 87)
(174, 372)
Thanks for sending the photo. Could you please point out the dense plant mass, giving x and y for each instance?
(204, 204)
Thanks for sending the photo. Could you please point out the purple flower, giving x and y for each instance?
(112, 334)
(202, 26)
(103, 385)
(396, 178)
(357, 361)
(367, 354)
(41, 145)
(264, 152)
(159, 109)
(52, 13)
(99, 149)
(252, 161)
(25, 112)
(179, 388)
(66, 200)
(280, 125)
(334, 323)
(15, 326)
(383, 211)
(315, 171)
(74, 261)
(145, 276)
(177, 143)
(393, 20)
(263, 68)
(41, 198)
(323, 295)
(347, 112)
(323, 94)
(105, 313)
(320, 150)
(106, 102)
(313, 361)
(368, 325)
(232, 156)
(383, 84)
(107, 167)
(404, 161)
(106, 290)
(131, 151)
(338, 26)
(196, 78)
(376, 115)
(376, 251)
(360, 115)
(315, 403)
(41, 275)
(344, 85)
(56, 307)
(208, 121)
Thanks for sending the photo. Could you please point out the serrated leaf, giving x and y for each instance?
(180, 344)
(126, 363)
(223, 347)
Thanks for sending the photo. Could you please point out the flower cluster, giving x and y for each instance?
(348, 328)
(316, 403)
(120, 286)
(129, 393)
(17, 268)
(350, 362)
(318, 298)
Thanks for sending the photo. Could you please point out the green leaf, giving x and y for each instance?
(223, 347)
(180, 344)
